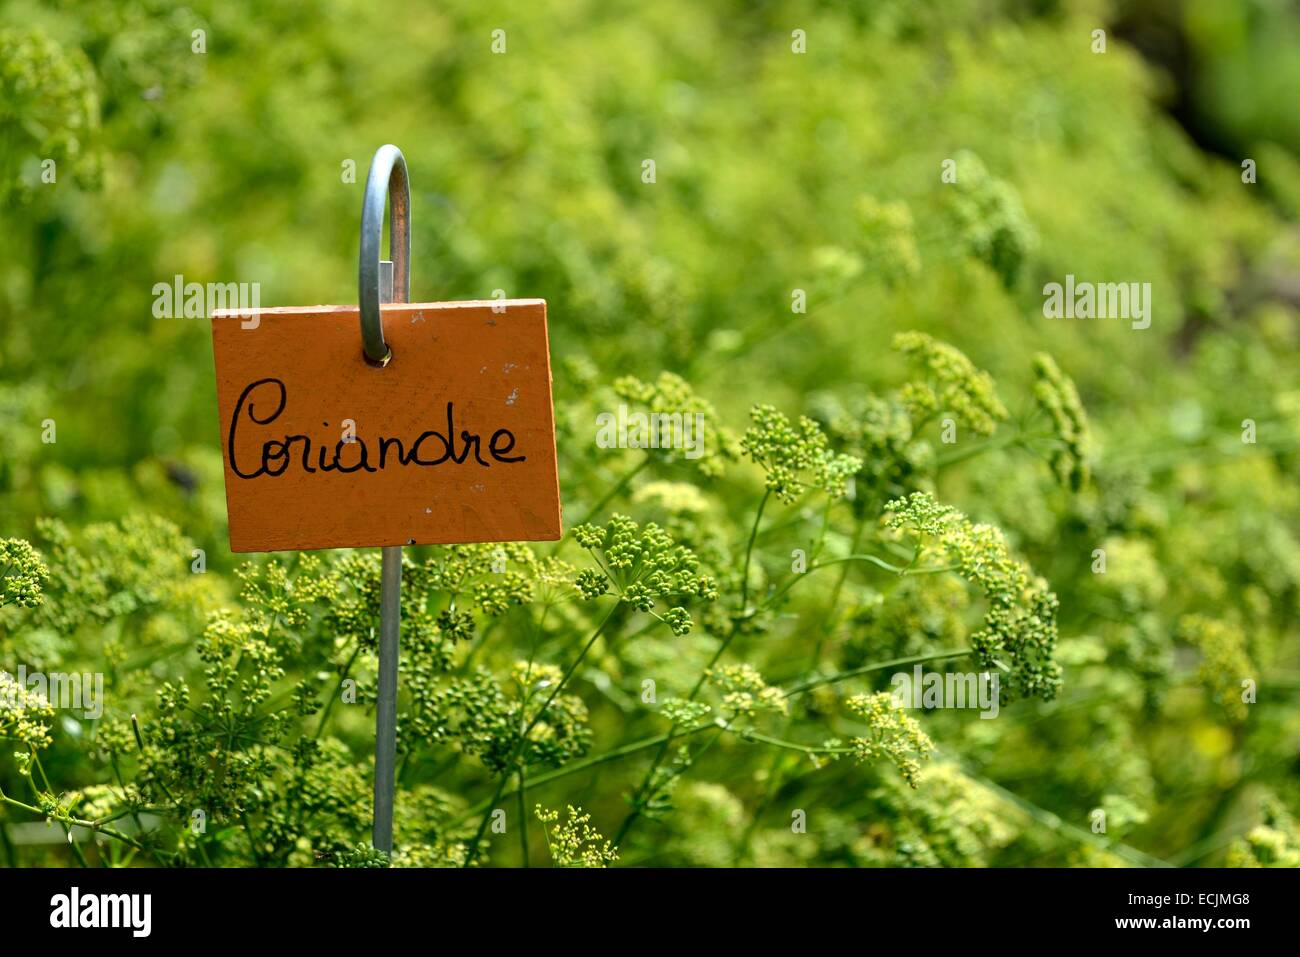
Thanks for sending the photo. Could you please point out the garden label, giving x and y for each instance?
(452, 441)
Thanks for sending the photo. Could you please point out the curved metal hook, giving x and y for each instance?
(387, 180)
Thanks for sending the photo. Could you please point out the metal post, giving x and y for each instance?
(385, 281)
(390, 621)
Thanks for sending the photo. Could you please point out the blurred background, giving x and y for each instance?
(774, 171)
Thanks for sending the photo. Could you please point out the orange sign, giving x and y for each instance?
(452, 441)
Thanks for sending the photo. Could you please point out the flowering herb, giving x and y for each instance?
(951, 384)
(795, 457)
(744, 692)
(991, 218)
(22, 573)
(573, 842)
(237, 726)
(642, 564)
(892, 735)
(1019, 632)
(667, 402)
(1056, 395)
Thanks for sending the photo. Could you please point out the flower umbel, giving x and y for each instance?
(643, 564)
(1224, 662)
(1056, 395)
(745, 693)
(795, 457)
(1019, 631)
(953, 385)
(893, 735)
(22, 573)
(991, 218)
(671, 397)
(574, 842)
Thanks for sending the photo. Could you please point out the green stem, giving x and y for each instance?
(788, 745)
(775, 775)
(536, 780)
(329, 705)
(10, 854)
(901, 570)
(616, 490)
(1055, 823)
(472, 855)
(523, 737)
(828, 620)
(78, 822)
(776, 769)
(639, 794)
(877, 666)
(749, 551)
(523, 818)
(67, 830)
(988, 445)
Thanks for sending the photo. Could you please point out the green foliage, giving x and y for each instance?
(23, 574)
(946, 820)
(1019, 632)
(892, 734)
(1272, 843)
(671, 396)
(573, 842)
(744, 692)
(1059, 399)
(991, 220)
(642, 563)
(951, 383)
(51, 114)
(1224, 662)
(888, 238)
(795, 459)
(1068, 504)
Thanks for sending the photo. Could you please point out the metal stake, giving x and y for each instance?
(385, 281)
(390, 623)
